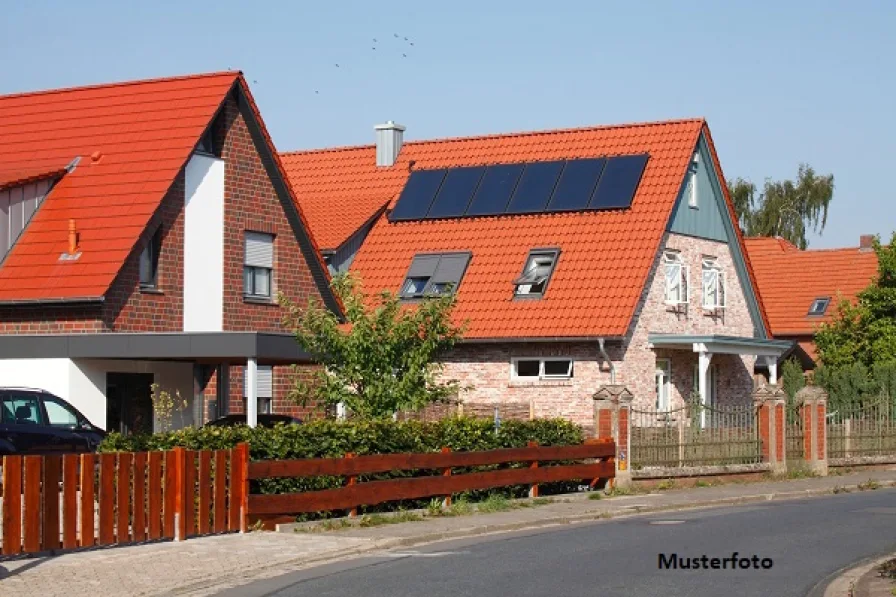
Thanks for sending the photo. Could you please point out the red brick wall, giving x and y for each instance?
(61, 319)
(284, 380)
(251, 203)
(129, 309)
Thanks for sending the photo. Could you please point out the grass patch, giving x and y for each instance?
(375, 519)
(542, 501)
(595, 495)
(887, 569)
(665, 485)
(839, 489)
(702, 483)
(494, 503)
(869, 485)
(460, 507)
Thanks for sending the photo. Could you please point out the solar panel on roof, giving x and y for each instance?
(576, 184)
(618, 183)
(535, 187)
(494, 190)
(417, 195)
(456, 192)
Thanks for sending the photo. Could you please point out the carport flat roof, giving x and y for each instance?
(720, 344)
(267, 347)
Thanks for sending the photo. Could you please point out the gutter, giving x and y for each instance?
(603, 353)
(53, 301)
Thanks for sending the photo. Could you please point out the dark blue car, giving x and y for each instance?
(33, 421)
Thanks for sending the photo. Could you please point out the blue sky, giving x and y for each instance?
(779, 82)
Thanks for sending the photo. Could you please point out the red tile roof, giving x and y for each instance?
(12, 175)
(605, 256)
(789, 280)
(141, 131)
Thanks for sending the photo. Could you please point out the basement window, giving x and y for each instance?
(536, 273)
(819, 306)
(534, 369)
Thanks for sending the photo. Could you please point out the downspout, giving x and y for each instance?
(603, 353)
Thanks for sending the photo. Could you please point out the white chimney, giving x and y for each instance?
(389, 138)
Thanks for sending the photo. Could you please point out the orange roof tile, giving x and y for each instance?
(789, 280)
(605, 256)
(144, 132)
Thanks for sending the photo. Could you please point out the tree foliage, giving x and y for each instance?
(786, 208)
(383, 359)
(864, 332)
(792, 377)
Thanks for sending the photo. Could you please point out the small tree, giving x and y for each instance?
(383, 359)
(165, 406)
(792, 378)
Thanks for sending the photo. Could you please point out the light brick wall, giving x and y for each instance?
(487, 367)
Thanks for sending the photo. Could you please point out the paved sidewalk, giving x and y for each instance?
(205, 566)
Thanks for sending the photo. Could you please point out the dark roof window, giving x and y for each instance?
(536, 273)
(819, 306)
(434, 274)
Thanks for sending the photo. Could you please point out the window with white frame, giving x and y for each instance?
(533, 369)
(713, 284)
(258, 268)
(692, 191)
(536, 273)
(677, 274)
(265, 387)
(663, 383)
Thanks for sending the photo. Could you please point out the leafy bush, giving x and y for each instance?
(329, 438)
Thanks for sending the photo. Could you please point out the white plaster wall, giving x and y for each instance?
(87, 392)
(51, 375)
(204, 245)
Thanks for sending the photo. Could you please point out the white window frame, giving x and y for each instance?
(664, 373)
(542, 376)
(693, 196)
(717, 289)
(672, 261)
(251, 267)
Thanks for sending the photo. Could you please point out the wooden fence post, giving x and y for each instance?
(533, 489)
(12, 505)
(244, 481)
(180, 493)
(446, 472)
(352, 479)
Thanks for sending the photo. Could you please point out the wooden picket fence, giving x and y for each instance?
(272, 509)
(84, 500)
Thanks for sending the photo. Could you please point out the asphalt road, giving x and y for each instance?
(807, 541)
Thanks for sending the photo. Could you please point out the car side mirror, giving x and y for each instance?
(85, 426)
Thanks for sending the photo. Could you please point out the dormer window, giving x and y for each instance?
(819, 306)
(536, 273)
(434, 274)
(677, 275)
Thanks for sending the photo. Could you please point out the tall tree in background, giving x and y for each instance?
(786, 208)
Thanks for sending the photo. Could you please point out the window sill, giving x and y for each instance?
(259, 300)
(541, 383)
(151, 290)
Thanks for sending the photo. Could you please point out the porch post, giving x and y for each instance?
(612, 418)
(772, 363)
(252, 393)
(704, 358)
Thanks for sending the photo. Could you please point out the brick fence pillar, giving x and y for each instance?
(770, 403)
(812, 403)
(612, 417)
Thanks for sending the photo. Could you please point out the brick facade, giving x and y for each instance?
(487, 367)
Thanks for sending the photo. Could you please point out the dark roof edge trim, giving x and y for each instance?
(52, 301)
(540, 339)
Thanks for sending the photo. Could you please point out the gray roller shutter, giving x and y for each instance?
(265, 382)
(259, 249)
(451, 268)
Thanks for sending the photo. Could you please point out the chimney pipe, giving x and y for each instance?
(73, 237)
(866, 242)
(389, 138)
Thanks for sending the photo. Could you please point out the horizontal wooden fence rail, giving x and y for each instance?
(278, 508)
(84, 500)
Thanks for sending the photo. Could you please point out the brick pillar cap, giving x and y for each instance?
(767, 392)
(810, 393)
(614, 392)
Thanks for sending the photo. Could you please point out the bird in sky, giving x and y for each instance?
(412, 43)
(337, 65)
(404, 55)
(395, 34)
(374, 40)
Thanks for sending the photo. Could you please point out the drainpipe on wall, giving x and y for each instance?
(603, 353)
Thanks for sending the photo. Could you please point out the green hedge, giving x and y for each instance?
(328, 438)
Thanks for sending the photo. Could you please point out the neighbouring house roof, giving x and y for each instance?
(789, 280)
(133, 139)
(605, 256)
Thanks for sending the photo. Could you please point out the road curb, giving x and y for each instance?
(204, 587)
(841, 582)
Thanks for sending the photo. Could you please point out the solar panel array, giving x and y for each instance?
(535, 187)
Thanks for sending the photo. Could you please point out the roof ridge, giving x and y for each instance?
(560, 131)
(121, 84)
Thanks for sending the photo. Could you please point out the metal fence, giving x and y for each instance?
(861, 430)
(795, 447)
(695, 435)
